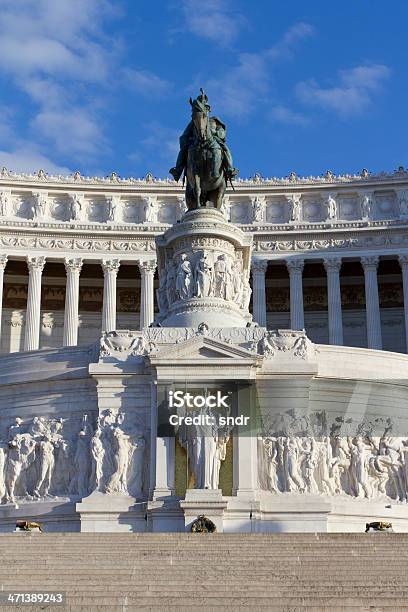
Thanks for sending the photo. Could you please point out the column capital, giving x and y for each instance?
(295, 265)
(3, 261)
(110, 265)
(332, 264)
(73, 265)
(36, 263)
(259, 265)
(370, 262)
(403, 261)
(147, 266)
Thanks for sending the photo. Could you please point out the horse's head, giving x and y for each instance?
(200, 110)
(200, 121)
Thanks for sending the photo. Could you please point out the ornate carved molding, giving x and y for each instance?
(36, 264)
(259, 266)
(295, 265)
(110, 266)
(147, 266)
(332, 264)
(369, 263)
(292, 179)
(73, 265)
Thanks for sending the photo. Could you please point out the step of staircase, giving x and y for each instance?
(162, 572)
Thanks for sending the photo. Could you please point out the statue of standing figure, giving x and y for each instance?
(206, 446)
(184, 278)
(204, 277)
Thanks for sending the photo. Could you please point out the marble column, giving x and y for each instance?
(403, 260)
(110, 271)
(374, 340)
(33, 313)
(147, 269)
(259, 267)
(3, 262)
(297, 317)
(73, 269)
(332, 266)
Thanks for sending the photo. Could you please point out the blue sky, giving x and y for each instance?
(100, 85)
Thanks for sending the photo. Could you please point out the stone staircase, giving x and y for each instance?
(285, 572)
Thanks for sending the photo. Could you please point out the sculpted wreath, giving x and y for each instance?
(203, 525)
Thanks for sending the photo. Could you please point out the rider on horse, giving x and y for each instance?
(217, 143)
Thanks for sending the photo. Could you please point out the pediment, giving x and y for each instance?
(205, 348)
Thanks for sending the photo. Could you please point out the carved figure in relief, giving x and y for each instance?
(294, 207)
(259, 209)
(271, 450)
(403, 203)
(118, 480)
(309, 465)
(46, 463)
(137, 463)
(97, 455)
(39, 205)
(366, 203)
(221, 277)
(358, 467)
(150, 209)
(20, 455)
(325, 462)
(341, 463)
(237, 281)
(226, 207)
(331, 207)
(390, 452)
(171, 283)
(113, 206)
(80, 483)
(5, 200)
(204, 277)
(161, 292)
(246, 295)
(292, 465)
(16, 428)
(184, 279)
(76, 207)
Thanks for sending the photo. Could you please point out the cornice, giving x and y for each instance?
(150, 184)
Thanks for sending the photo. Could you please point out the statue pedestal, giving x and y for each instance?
(208, 502)
(111, 513)
(204, 265)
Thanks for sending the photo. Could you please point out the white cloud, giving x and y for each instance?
(26, 158)
(58, 53)
(145, 82)
(239, 91)
(75, 132)
(215, 20)
(290, 40)
(283, 114)
(164, 140)
(353, 93)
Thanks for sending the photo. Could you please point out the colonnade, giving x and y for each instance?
(332, 266)
(147, 269)
(73, 268)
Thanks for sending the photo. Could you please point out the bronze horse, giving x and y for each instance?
(206, 177)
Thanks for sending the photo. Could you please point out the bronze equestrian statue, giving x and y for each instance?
(204, 157)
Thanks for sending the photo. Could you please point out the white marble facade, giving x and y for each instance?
(78, 418)
(293, 220)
